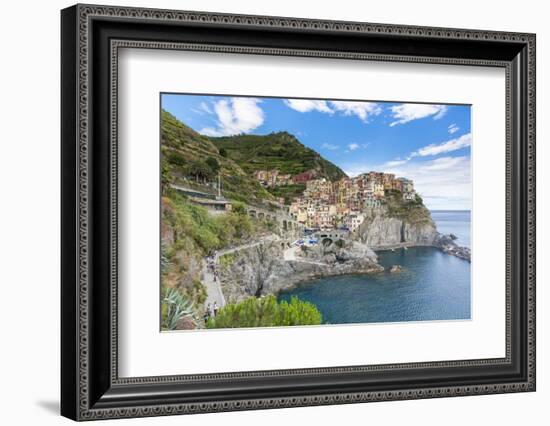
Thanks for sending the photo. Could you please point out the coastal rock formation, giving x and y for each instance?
(447, 244)
(382, 229)
(396, 268)
(341, 252)
(263, 269)
(251, 271)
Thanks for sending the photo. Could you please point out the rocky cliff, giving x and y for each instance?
(272, 266)
(393, 225)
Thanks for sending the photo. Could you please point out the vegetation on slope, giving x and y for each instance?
(281, 151)
(288, 192)
(190, 233)
(410, 211)
(188, 157)
(266, 312)
(195, 228)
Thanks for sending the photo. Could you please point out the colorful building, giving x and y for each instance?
(330, 205)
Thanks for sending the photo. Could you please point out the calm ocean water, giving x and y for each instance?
(432, 285)
(454, 221)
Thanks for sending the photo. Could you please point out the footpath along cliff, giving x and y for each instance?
(272, 266)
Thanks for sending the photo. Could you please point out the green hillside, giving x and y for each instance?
(279, 150)
(193, 160)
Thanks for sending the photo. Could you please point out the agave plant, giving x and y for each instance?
(175, 307)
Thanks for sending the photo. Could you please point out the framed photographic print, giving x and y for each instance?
(263, 212)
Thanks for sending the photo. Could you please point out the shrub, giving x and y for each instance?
(238, 207)
(175, 158)
(199, 291)
(266, 312)
(227, 260)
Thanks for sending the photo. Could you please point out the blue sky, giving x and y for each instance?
(429, 143)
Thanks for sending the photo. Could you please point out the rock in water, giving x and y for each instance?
(447, 244)
(396, 268)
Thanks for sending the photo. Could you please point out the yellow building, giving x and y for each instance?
(379, 190)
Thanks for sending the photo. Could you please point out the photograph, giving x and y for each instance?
(283, 212)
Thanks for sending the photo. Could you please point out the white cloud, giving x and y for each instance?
(329, 146)
(306, 105)
(444, 163)
(453, 128)
(202, 109)
(353, 146)
(405, 113)
(435, 149)
(203, 106)
(452, 145)
(234, 116)
(394, 163)
(363, 110)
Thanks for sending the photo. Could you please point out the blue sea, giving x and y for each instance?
(456, 222)
(432, 285)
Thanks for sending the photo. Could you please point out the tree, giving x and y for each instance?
(223, 152)
(200, 171)
(266, 312)
(213, 164)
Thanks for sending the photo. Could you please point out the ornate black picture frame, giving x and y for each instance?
(91, 36)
